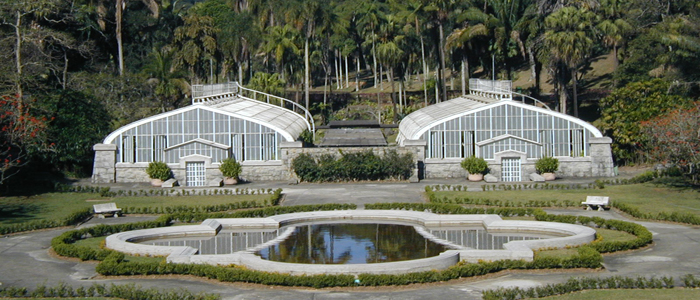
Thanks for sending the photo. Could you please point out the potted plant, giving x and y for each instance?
(158, 171)
(546, 166)
(231, 169)
(476, 167)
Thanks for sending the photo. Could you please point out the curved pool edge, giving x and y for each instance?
(519, 250)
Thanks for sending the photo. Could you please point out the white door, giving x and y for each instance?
(510, 169)
(196, 173)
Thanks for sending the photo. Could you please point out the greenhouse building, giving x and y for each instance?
(263, 133)
(223, 121)
(509, 134)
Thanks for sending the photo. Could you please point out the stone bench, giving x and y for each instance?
(598, 201)
(106, 208)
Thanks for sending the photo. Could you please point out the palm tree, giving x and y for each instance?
(440, 12)
(389, 52)
(473, 26)
(169, 83)
(570, 40)
(282, 41)
(194, 42)
(614, 28)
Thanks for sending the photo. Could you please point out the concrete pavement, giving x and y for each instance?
(25, 261)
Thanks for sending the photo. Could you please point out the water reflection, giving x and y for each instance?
(347, 243)
(352, 244)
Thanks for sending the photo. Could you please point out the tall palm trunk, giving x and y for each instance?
(18, 55)
(393, 95)
(441, 75)
(573, 77)
(120, 50)
(306, 72)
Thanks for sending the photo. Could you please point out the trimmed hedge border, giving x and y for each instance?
(106, 191)
(74, 218)
(430, 192)
(125, 291)
(581, 284)
(113, 262)
(64, 243)
(83, 214)
(644, 236)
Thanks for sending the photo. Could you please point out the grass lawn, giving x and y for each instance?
(97, 242)
(607, 235)
(60, 205)
(657, 294)
(648, 198)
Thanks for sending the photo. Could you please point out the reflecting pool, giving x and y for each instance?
(344, 243)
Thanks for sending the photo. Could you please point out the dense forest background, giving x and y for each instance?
(74, 70)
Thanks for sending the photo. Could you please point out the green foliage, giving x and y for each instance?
(581, 284)
(230, 168)
(625, 108)
(547, 164)
(122, 291)
(353, 166)
(158, 170)
(267, 83)
(474, 165)
(74, 218)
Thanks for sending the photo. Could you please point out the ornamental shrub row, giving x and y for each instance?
(580, 284)
(64, 243)
(272, 200)
(106, 192)
(124, 291)
(74, 218)
(353, 166)
(448, 209)
(643, 235)
(429, 191)
(687, 218)
(114, 265)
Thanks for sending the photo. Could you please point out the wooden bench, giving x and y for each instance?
(106, 208)
(598, 201)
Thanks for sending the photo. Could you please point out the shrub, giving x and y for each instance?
(474, 165)
(158, 170)
(547, 165)
(230, 168)
(353, 166)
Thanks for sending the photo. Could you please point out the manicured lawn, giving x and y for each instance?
(97, 242)
(660, 294)
(60, 205)
(607, 235)
(648, 198)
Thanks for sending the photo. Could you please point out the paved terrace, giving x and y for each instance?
(26, 262)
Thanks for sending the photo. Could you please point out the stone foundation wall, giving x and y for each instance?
(598, 164)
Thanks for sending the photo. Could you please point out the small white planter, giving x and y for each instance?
(475, 177)
(549, 176)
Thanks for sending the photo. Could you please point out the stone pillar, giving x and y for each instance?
(103, 169)
(418, 149)
(289, 151)
(601, 157)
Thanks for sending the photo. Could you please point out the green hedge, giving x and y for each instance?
(353, 166)
(64, 243)
(687, 218)
(113, 262)
(82, 214)
(114, 265)
(643, 236)
(433, 198)
(74, 218)
(580, 284)
(125, 291)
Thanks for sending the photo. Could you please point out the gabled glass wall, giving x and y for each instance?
(507, 127)
(197, 131)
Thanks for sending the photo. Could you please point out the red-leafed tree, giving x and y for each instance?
(21, 134)
(675, 139)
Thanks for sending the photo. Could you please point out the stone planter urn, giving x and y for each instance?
(475, 177)
(230, 180)
(156, 182)
(549, 176)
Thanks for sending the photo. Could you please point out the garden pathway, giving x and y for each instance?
(25, 259)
